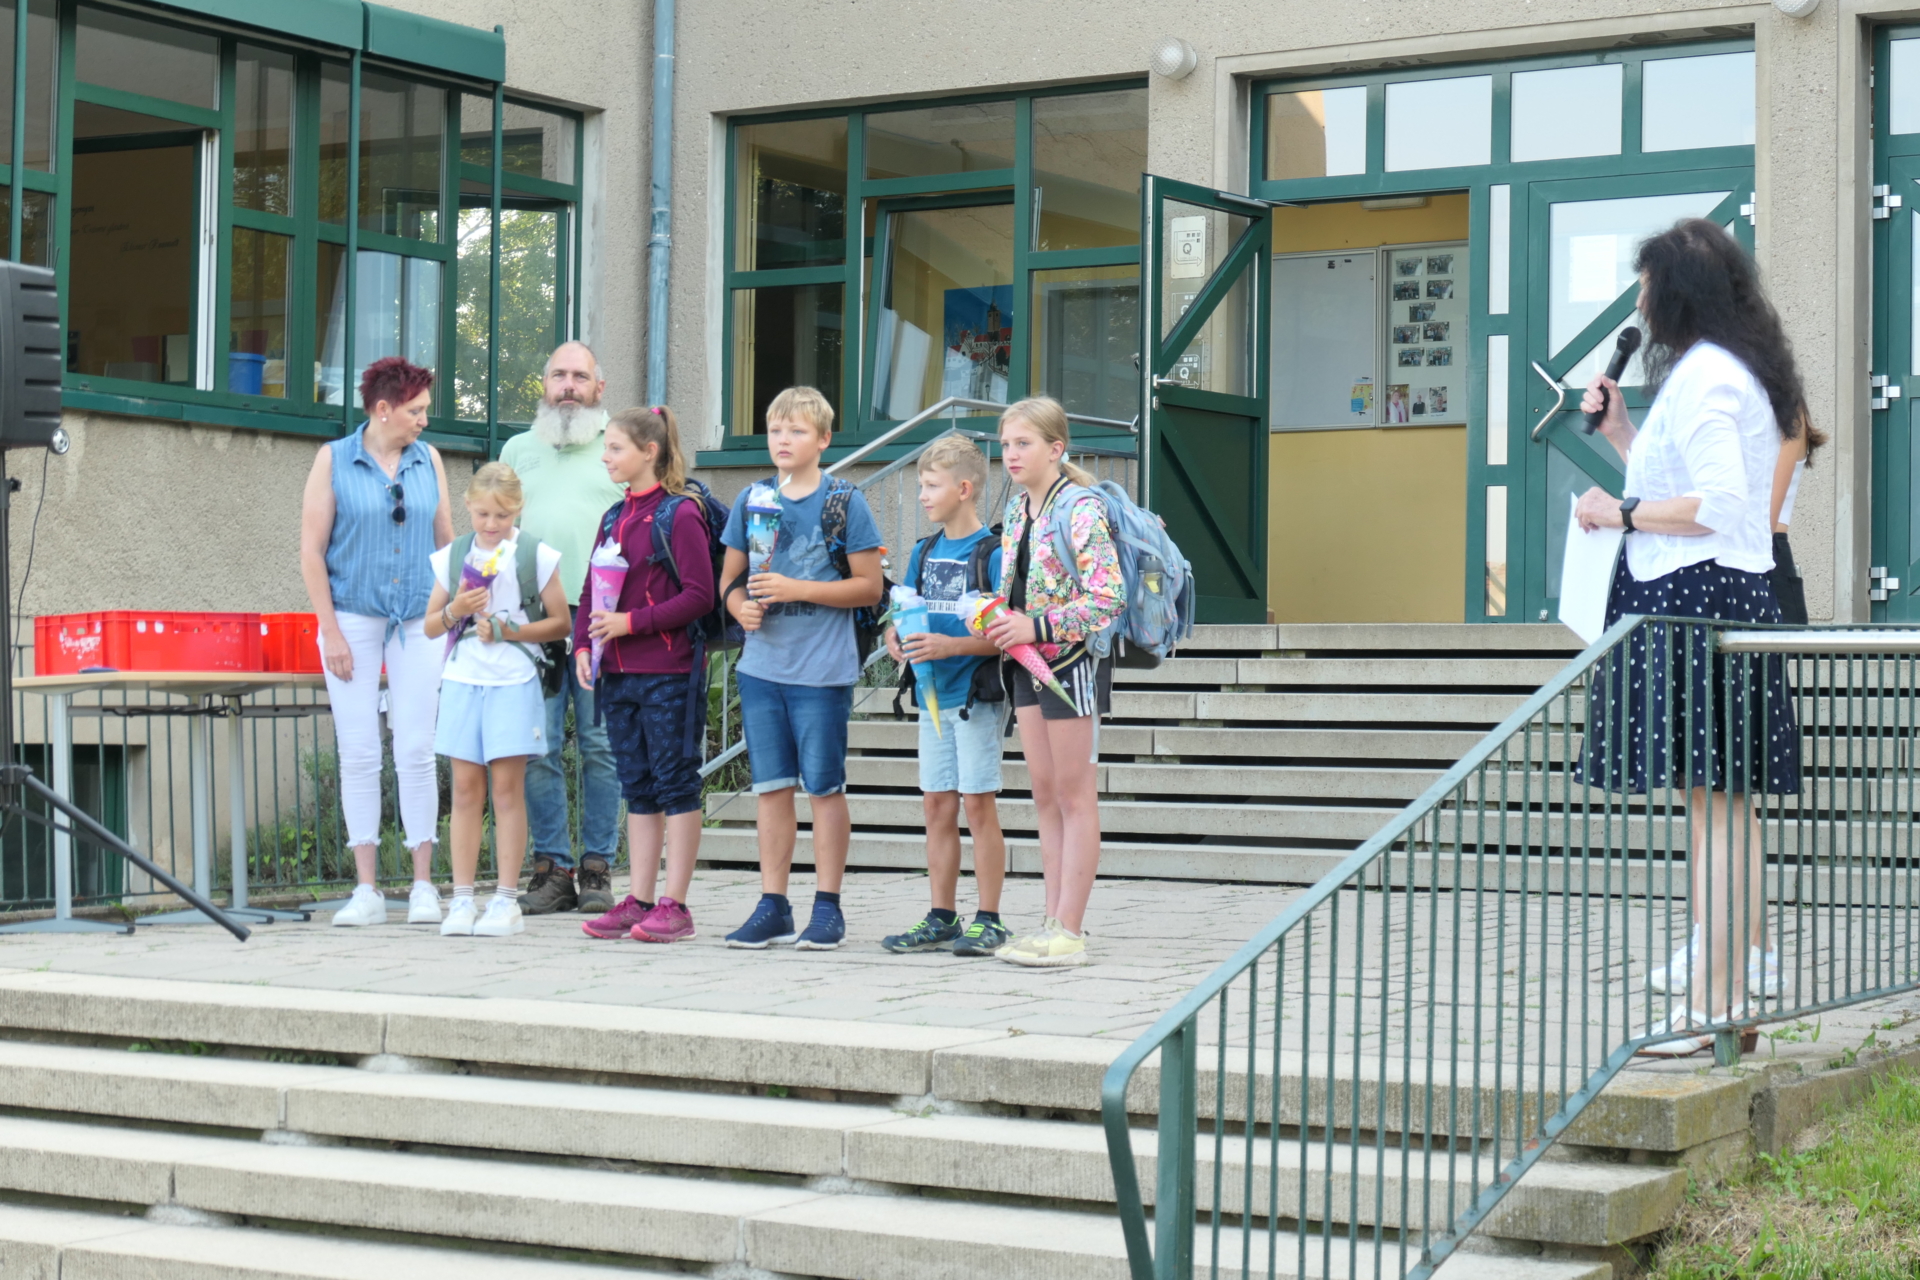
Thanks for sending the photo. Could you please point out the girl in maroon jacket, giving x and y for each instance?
(644, 668)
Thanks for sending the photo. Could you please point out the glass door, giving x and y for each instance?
(1204, 358)
(1581, 237)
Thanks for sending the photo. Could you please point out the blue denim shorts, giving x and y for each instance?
(796, 735)
(646, 717)
(965, 755)
(481, 723)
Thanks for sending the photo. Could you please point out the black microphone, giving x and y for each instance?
(1622, 352)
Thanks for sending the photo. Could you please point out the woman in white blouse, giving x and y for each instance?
(1698, 517)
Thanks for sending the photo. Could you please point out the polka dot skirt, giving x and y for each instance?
(1667, 696)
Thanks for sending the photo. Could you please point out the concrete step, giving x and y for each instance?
(1338, 639)
(1168, 780)
(791, 1229)
(1225, 861)
(1563, 1202)
(1359, 743)
(1326, 822)
(1415, 710)
(41, 1244)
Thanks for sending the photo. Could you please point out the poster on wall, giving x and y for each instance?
(1425, 322)
(978, 328)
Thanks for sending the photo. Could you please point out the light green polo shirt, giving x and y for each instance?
(567, 492)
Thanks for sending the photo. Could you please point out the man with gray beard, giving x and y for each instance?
(567, 491)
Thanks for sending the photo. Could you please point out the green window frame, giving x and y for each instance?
(867, 204)
(1520, 475)
(391, 47)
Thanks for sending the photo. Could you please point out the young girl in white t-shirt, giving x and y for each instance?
(492, 711)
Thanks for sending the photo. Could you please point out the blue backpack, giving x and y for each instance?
(1159, 581)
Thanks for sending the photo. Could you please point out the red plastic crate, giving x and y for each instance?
(146, 640)
(290, 642)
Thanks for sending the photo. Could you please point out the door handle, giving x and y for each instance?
(1168, 382)
(1559, 400)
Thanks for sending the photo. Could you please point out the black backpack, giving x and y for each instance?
(868, 619)
(986, 685)
(713, 630)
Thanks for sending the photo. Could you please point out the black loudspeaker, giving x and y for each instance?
(31, 359)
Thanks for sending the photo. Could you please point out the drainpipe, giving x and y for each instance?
(660, 241)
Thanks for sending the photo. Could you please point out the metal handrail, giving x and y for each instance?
(949, 404)
(1509, 783)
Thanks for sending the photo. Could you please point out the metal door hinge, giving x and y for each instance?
(1885, 201)
(1879, 585)
(1882, 390)
(1747, 209)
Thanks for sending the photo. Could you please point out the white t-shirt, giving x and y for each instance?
(1710, 435)
(475, 661)
(1793, 489)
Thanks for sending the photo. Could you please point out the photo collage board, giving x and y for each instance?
(1425, 338)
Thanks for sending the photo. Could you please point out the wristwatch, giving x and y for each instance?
(1626, 513)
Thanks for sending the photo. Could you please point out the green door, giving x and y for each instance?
(1581, 236)
(1204, 341)
(1894, 576)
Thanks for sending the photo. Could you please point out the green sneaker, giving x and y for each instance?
(928, 935)
(982, 938)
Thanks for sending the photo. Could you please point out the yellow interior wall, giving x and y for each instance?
(1368, 526)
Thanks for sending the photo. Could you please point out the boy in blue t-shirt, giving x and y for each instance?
(800, 661)
(962, 763)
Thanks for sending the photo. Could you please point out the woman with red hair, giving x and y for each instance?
(375, 510)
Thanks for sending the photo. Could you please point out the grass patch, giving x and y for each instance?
(1845, 1206)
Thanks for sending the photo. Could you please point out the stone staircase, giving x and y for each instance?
(295, 1133)
(1261, 753)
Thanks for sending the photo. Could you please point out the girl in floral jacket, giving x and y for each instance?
(1053, 608)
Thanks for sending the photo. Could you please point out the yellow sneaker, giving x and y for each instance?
(1052, 948)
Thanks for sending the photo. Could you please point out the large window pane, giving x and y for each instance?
(786, 336)
(1568, 111)
(263, 130)
(120, 51)
(258, 311)
(1698, 102)
(134, 224)
(1903, 86)
(1088, 153)
(539, 143)
(42, 34)
(402, 133)
(1318, 134)
(532, 308)
(1593, 242)
(36, 227)
(790, 180)
(1086, 334)
(930, 140)
(1440, 124)
(949, 277)
(1197, 242)
(396, 310)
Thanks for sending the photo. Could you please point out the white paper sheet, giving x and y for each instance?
(1586, 575)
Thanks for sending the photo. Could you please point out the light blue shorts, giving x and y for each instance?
(481, 723)
(965, 757)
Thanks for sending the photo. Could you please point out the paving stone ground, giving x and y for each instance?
(1151, 943)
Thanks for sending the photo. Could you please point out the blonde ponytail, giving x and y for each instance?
(1048, 418)
(656, 426)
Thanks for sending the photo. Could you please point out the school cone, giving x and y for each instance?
(988, 609)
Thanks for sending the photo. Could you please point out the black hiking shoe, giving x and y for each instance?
(982, 938)
(550, 890)
(929, 935)
(594, 885)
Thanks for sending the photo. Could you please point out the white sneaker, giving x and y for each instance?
(460, 917)
(1763, 972)
(502, 919)
(367, 906)
(423, 904)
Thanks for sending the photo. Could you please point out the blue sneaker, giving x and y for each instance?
(827, 929)
(771, 921)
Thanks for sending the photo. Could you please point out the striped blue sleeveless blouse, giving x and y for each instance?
(377, 568)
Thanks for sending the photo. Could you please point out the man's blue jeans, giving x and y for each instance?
(547, 819)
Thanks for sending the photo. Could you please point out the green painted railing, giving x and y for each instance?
(1357, 1089)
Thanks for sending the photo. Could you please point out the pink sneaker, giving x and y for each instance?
(618, 921)
(669, 921)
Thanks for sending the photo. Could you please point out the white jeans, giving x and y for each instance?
(412, 704)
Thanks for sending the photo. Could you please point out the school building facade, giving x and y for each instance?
(1338, 265)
